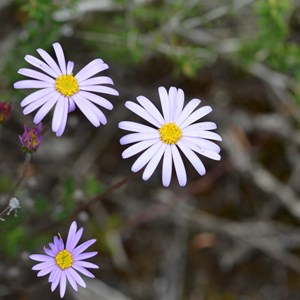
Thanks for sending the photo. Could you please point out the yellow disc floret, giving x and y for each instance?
(64, 259)
(170, 133)
(67, 85)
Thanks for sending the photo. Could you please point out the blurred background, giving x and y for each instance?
(233, 234)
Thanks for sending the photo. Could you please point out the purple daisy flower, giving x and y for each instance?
(58, 86)
(64, 262)
(31, 138)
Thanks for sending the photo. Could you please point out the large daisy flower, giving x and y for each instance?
(169, 132)
(58, 86)
(64, 262)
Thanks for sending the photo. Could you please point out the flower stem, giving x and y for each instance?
(89, 203)
(21, 178)
(104, 194)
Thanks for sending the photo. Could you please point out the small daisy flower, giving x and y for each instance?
(60, 88)
(169, 132)
(63, 262)
(31, 138)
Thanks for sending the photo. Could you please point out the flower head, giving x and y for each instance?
(5, 111)
(64, 261)
(57, 86)
(173, 130)
(31, 138)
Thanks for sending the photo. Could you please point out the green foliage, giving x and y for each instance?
(93, 187)
(14, 238)
(67, 201)
(41, 204)
(6, 184)
(271, 45)
(272, 19)
(274, 45)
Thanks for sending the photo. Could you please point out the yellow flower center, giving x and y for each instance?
(64, 259)
(67, 85)
(31, 140)
(170, 133)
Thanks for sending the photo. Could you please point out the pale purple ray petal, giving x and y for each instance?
(71, 279)
(167, 167)
(71, 235)
(60, 57)
(172, 102)
(97, 80)
(54, 274)
(98, 113)
(79, 249)
(91, 72)
(34, 105)
(41, 65)
(56, 280)
(192, 157)
(137, 137)
(36, 75)
(72, 105)
(41, 113)
(179, 104)
(97, 99)
(189, 108)
(50, 61)
(208, 153)
(49, 252)
(36, 96)
(44, 265)
(101, 116)
(86, 264)
(201, 134)
(152, 164)
(71, 244)
(94, 63)
(140, 111)
(83, 270)
(70, 67)
(53, 248)
(145, 157)
(92, 68)
(210, 135)
(100, 89)
(45, 271)
(179, 166)
(63, 123)
(165, 105)
(202, 150)
(151, 108)
(196, 115)
(58, 113)
(204, 144)
(83, 105)
(136, 127)
(86, 255)
(76, 277)
(41, 257)
(137, 148)
(63, 284)
(202, 126)
(32, 84)
(59, 243)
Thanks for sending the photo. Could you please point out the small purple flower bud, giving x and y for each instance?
(5, 112)
(31, 138)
